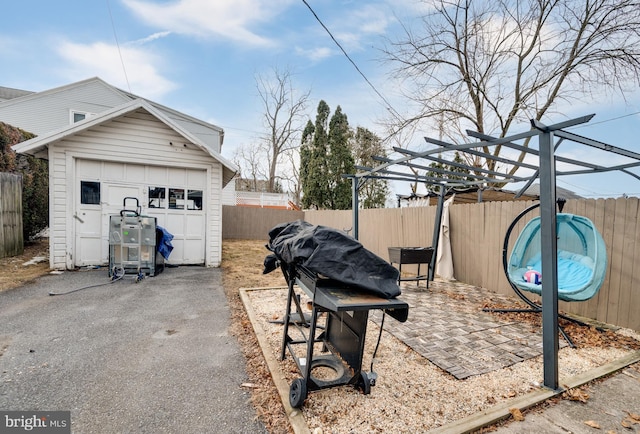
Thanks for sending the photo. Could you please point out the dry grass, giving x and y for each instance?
(14, 274)
(242, 264)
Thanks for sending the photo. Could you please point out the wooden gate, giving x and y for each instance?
(11, 238)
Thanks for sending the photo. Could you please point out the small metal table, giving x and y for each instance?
(342, 335)
(411, 255)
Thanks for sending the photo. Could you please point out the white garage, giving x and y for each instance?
(132, 151)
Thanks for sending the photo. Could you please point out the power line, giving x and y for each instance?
(115, 36)
(607, 120)
(389, 106)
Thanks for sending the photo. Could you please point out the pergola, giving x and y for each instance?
(549, 139)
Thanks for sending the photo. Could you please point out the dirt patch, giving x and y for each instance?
(14, 273)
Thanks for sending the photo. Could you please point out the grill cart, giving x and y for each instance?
(344, 282)
(342, 332)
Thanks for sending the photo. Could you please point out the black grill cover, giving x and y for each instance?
(333, 254)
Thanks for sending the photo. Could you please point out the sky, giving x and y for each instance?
(202, 57)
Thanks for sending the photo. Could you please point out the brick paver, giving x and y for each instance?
(446, 325)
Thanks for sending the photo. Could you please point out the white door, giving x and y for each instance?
(88, 224)
(98, 201)
(177, 198)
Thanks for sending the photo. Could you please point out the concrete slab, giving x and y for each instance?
(607, 410)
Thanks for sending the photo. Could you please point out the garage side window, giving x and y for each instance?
(176, 198)
(89, 193)
(194, 199)
(157, 197)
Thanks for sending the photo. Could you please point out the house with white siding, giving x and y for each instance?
(103, 145)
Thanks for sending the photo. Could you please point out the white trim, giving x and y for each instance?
(115, 159)
(70, 234)
(52, 237)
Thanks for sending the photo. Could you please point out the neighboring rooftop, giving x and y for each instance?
(7, 93)
(534, 190)
(488, 194)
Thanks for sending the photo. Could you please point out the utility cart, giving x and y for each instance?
(132, 243)
(340, 312)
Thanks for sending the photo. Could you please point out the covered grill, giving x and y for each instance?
(344, 281)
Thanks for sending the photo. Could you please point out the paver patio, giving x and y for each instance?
(446, 325)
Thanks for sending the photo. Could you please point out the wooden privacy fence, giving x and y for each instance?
(11, 238)
(477, 234)
(250, 223)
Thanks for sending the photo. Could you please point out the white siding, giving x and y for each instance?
(229, 194)
(209, 136)
(48, 111)
(214, 221)
(137, 138)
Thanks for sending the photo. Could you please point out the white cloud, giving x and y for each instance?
(228, 19)
(412, 8)
(103, 60)
(372, 19)
(149, 38)
(315, 54)
(352, 27)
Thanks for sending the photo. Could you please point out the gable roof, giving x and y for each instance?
(27, 96)
(37, 144)
(34, 95)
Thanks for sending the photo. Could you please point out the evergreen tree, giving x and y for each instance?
(463, 173)
(305, 158)
(340, 161)
(313, 160)
(325, 155)
(373, 193)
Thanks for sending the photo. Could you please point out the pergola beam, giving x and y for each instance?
(547, 173)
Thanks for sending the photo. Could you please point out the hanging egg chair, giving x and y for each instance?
(582, 258)
(581, 261)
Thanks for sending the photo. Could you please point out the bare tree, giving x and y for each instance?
(291, 176)
(486, 65)
(284, 116)
(247, 158)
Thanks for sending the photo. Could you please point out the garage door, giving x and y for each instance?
(175, 196)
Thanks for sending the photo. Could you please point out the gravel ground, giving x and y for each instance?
(411, 394)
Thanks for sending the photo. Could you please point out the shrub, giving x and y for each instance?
(35, 179)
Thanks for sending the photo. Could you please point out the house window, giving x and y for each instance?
(176, 198)
(157, 197)
(90, 193)
(194, 199)
(77, 116)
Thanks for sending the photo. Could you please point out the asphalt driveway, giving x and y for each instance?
(152, 357)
